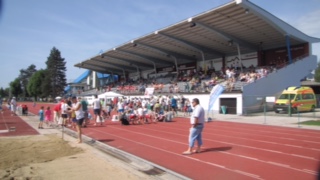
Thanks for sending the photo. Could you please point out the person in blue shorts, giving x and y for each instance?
(197, 124)
(41, 117)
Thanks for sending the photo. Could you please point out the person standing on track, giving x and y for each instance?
(13, 107)
(57, 112)
(77, 109)
(0, 104)
(41, 117)
(97, 110)
(197, 123)
(84, 105)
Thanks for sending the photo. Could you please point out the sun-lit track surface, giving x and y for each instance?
(231, 150)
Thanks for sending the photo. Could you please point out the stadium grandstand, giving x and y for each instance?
(250, 52)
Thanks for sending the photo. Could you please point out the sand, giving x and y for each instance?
(50, 157)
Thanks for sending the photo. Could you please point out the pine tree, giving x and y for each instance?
(56, 78)
(25, 75)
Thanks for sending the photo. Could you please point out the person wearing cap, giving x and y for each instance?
(197, 124)
(77, 109)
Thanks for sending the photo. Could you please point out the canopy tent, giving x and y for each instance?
(58, 98)
(109, 95)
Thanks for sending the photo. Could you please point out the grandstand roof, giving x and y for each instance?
(212, 34)
(82, 77)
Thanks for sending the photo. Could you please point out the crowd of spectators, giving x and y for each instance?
(140, 110)
(191, 81)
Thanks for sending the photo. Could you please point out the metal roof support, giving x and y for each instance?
(288, 48)
(227, 37)
(177, 69)
(124, 75)
(126, 60)
(154, 64)
(183, 42)
(239, 54)
(176, 62)
(137, 70)
(162, 51)
(113, 65)
(97, 68)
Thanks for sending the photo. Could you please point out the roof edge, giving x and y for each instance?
(277, 23)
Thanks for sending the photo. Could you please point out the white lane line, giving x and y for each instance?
(189, 157)
(248, 174)
(269, 142)
(234, 144)
(296, 133)
(213, 164)
(293, 145)
(247, 157)
(273, 163)
(278, 164)
(4, 131)
(306, 157)
(311, 171)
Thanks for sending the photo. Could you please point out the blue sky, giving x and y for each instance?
(29, 29)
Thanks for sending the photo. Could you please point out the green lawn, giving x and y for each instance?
(311, 123)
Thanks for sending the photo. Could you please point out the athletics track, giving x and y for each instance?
(231, 150)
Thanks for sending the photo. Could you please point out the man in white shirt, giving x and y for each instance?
(97, 109)
(197, 123)
(13, 104)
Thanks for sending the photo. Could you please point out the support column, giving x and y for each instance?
(288, 48)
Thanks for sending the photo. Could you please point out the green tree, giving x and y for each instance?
(25, 75)
(55, 80)
(15, 87)
(35, 84)
(4, 92)
(317, 74)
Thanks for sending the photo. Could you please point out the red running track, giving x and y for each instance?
(230, 151)
(14, 125)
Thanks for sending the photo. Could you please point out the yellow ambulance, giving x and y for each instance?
(302, 99)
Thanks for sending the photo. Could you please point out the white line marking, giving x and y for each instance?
(248, 174)
(189, 157)
(247, 157)
(4, 131)
(306, 157)
(310, 171)
(293, 145)
(278, 164)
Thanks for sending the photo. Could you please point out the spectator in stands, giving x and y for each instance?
(230, 84)
(186, 87)
(176, 88)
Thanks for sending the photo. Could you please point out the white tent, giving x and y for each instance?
(109, 95)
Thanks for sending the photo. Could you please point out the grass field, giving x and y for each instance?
(311, 123)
